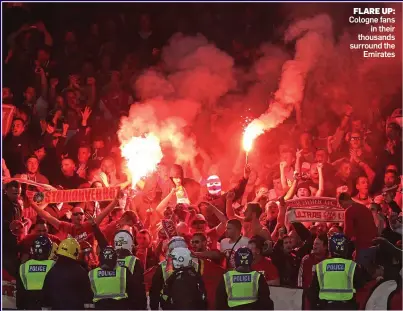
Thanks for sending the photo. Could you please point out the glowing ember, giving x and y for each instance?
(143, 155)
(253, 130)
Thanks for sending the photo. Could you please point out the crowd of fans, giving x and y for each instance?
(64, 96)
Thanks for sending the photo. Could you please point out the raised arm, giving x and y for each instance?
(105, 212)
(283, 179)
(40, 210)
(320, 191)
(164, 203)
(228, 206)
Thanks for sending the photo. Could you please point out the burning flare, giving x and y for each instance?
(253, 130)
(143, 155)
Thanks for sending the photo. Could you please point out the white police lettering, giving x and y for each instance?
(335, 267)
(106, 274)
(37, 268)
(244, 278)
(121, 263)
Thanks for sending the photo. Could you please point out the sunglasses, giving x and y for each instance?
(198, 222)
(78, 214)
(195, 242)
(355, 138)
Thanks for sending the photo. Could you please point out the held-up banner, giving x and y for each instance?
(8, 114)
(314, 210)
(74, 195)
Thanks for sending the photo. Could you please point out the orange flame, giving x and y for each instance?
(252, 131)
(143, 155)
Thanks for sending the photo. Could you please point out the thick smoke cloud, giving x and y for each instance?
(199, 89)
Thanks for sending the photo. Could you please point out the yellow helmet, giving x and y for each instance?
(53, 255)
(69, 248)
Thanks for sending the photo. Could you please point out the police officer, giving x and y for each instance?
(32, 275)
(163, 271)
(67, 286)
(124, 246)
(336, 279)
(242, 288)
(114, 287)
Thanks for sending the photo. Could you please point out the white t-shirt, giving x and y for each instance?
(226, 247)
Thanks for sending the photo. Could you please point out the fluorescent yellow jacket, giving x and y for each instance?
(241, 288)
(335, 277)
(33, 273)
(107, 284)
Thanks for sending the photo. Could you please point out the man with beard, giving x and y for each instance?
(318, 253)
(211, 272)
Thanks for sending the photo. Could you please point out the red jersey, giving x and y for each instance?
(359, 226)
(267, 268)
(81, 234)
(306, 270)
(211, 275)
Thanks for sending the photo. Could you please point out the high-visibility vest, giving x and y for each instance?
(108, 284)
(335, 276)
(166, 273)
(242, 288)
(129, 262)
(33, 273)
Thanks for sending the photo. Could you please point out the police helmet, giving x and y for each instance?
(338, 245)
(123, 239)
(181, 258)
(243, 257)
(108, 258)
(41, 248)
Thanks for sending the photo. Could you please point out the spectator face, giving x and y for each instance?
(318, 247)
(41, 229)
(356, 125)
(197, 244)
(68, 167)
(272, 210)
(7, 95)
(389, 179)
(182, 229)
(83, 155)
(29, 94)
(287, 245)
(98, 144)
(391, 167)
(313, 173)
(143, 240)
(60, 102)
(108, 166)
(198, 226)
(177, 181)
(32, 165)
(17, 128)
(362, 185)
(248, 214)
(355, 140)
(305, 141)
(288, 157)
(40, 153)
(232, 232)
(13, 193)
(321, 156)
(43, 56)
(145, 22)
(70, 37)
(71, 99)
(77, 216)
(303, 193)
(97, 184)
(254, 249)
(294, 238)
(345, 170)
